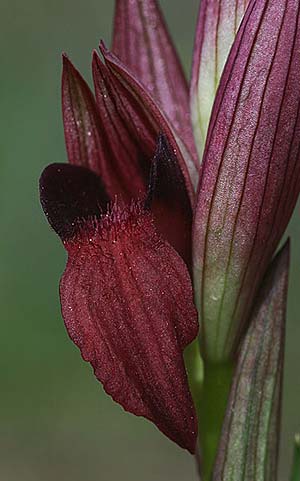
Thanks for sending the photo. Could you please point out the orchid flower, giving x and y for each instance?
(171, 208)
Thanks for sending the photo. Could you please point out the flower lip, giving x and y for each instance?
(126, 297)
(127, 303)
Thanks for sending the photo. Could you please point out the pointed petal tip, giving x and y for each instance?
(97, 62)
(83, 127)
(95, 55)
(69, 72)
(66, 61)
(110, 57)
(103, 48)
(69, 69)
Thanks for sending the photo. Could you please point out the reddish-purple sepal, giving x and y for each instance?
(143, 116)
(251, 171)
(96, 137)
(82, 125)
(128, 158)
(248, 448)
(142, 42)
(217, 25)
(168, 200)
(119, 148)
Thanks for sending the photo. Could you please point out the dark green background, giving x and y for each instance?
(55, 421)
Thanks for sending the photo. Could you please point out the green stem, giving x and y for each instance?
(212, 406)
(296, 463)
(195, 370)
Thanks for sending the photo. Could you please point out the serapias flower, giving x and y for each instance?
(126, 295)
(126, 299)
(127, 205)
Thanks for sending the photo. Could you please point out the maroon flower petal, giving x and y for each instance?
(92, 138)
(81, 120)
(127, 302)
(70, 193)
(217, 25)
(128, 159)
(131, 139)
(251, 170)
(142, 42)
(168, 200)
(141, 114)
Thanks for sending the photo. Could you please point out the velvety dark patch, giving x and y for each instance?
(168, 199)
(70, 195)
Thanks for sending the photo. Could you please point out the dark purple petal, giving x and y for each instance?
(81, 120)
(127, 302)
(142, 42)
(251, 170)
(248, 448)
(217, 25)
(131, 138)
(168, 200)
(70, 194)
(128, 159)
(142, 115)
(91, 138)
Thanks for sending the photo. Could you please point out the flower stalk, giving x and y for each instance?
(212, 407)
(295, 476)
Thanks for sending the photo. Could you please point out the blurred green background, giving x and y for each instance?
(55, 420)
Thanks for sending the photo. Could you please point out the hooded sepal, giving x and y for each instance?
(82, 123)
(248, 447)
(120, 146)
(128, 158)
(251, 171)
(145, 118)
(217, 25)
(127, 303)
(142, 42)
